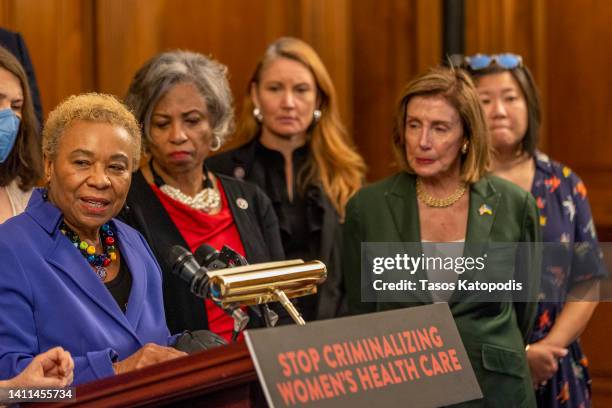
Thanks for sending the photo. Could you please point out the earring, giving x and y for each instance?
(257, 114)
(520, 150)
(216, 145)
(316, 115)
(45, 190)
(464, 148)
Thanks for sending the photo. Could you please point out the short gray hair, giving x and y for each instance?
(165, 70)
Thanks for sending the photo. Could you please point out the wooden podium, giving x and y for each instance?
(221, 377)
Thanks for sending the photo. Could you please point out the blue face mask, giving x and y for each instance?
(9, 127)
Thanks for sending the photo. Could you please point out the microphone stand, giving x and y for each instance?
(229, 258)
(286, 303)
(269, 316)
(241, 320)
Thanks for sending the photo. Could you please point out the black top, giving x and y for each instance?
(121, 286)
(256, 223)
(291, 213)
(309, 225)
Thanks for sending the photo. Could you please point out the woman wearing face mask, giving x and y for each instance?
(509, 97)
(20, 154)
(299, 153)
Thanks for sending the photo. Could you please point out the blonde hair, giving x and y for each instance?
(458, 89)
(333, 160)
(90, 107)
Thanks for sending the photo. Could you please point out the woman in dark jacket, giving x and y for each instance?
(300, 154)
(184, 104)
(443, 194)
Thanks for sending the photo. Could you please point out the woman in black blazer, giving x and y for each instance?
(184, 104)
(299, 153)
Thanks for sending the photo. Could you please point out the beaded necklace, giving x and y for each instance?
(98, 261)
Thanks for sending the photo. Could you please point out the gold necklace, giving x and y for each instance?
(430, 201)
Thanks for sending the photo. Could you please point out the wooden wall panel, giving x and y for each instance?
(392, 42)
(127, 34)
(234, 32)
(428, 36)
(371, 48)
(567, 45)
(6, 14)
(596, 344)
(59, 37)
(564, 43)
(496, 26)
(325, 25)
(580, 54)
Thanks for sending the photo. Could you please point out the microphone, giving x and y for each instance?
(248, 285)
(186, 267)
(208, 256)
(212, 259)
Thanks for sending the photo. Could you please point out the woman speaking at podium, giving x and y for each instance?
(443, 194)
(72, 275)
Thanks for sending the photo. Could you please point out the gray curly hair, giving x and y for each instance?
(165, 70)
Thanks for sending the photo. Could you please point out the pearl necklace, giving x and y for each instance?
(206, 200)
(431, 201)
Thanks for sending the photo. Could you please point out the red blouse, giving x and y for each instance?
(197, 228)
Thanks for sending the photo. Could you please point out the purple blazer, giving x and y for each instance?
(49, 296)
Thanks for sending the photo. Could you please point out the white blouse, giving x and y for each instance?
(17, 197)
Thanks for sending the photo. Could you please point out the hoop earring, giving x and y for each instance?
(464, 148)
(316, 115)
(257, 114)
(216, 145)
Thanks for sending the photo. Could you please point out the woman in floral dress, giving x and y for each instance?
(509, 97)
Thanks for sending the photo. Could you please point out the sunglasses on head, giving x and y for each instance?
(482, 61)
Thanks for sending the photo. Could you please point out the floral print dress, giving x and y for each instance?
(565, 217)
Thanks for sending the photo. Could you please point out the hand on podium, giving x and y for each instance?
(148, 355)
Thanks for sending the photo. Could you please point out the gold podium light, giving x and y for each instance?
(267, 282)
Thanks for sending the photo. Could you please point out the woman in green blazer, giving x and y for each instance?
(442, 194)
